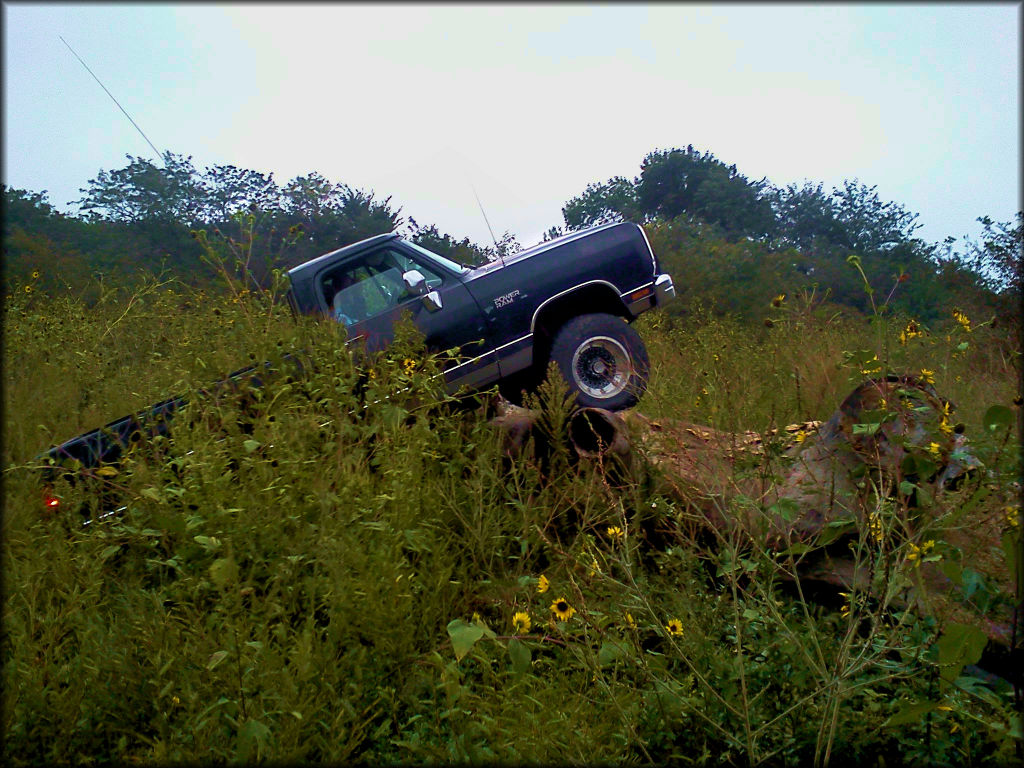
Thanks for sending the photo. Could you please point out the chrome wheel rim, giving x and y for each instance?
(601, 367)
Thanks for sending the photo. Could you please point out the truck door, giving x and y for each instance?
(366, 292)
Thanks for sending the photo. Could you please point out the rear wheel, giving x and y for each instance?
(603, 359)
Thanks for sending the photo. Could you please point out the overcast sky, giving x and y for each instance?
(526, 103)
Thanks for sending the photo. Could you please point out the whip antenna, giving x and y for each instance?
(157, 151)
(493, 238)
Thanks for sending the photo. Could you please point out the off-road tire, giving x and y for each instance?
(604, 361)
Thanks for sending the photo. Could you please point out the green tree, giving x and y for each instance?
(807, 215)
(1000, 256)
(603, 203)
(676, 182)
(868, 223)
(143, 192)
(460, 251)
(226, 191)
(330, 216)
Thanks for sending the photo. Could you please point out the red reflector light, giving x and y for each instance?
(52, 502)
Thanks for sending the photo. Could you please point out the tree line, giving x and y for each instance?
(709, 220)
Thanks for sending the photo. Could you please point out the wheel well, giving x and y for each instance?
(587, 300)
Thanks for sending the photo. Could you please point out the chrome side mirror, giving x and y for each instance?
(415, 282)
(432, 301)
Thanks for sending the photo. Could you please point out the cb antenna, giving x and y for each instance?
(157, 151)
(497, 250)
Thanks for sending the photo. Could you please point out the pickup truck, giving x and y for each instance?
(570, 300)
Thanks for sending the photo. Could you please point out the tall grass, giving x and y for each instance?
(346, 565)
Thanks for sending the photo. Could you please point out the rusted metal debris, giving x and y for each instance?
(891, 448)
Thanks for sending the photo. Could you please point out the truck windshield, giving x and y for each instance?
(447, 263)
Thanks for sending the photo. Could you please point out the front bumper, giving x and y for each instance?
(663, 289)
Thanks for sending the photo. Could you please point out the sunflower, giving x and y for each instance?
(912, 331)
(674, 627)
(962, 318)
(520, 622)
(35, 274)
(927, 376)
(409, 366)
(542, 584)
(778, 300)
(562, 610)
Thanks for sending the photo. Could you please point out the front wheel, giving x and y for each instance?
(603, 359)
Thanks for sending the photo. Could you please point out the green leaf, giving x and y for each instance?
(1011, 549)
(998, 417)
(152, 493)
(865, 429)
(109, 552)
(907, 488)
(250, 446)
(464, 636)
(798, 548)
(520, 655)
(911, 713)
(209, 543)
(609, 653)
(960, 645)
(787, 509)
(252, 734)
(223, 571)
(836, 530)
(216, 659)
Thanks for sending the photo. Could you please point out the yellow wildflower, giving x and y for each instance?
(935, 449)
(409, 366)
(916, 552)
(521, 622)
(777, 301)
(875, 526)
(674, 627)
(872, 366)
(962, 318)
(614, 532)
(35, 274)
(630, 621)
(847, 604)
(542, 584)
(562, 610)
(927, 376)
(944, 424)
(912, 331)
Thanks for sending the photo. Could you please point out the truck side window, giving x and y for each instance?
(371, 285)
